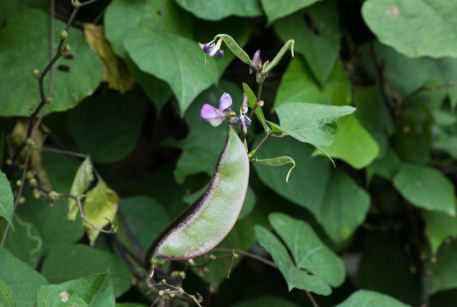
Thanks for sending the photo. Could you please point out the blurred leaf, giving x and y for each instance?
(24, 241)
(129, 305)
(83, 180)
(6, 296)
(343, 208)
(100, 208)
(160, 15)
(275, 9)
(386, 166)
(20, 85)
(314, 267)
(317, 37)
(386, 19)
(51, 221)
(297, 84)
(145, 219)
(107, 127)
(353, 143)
(116, 73)
(438, 228)
(173, 59)
(269, 301)
(20, 278)
(85, 261)
(370, 298)
(426, 188)
(93, 291)
(6, 199)
(311, 123)
(215, 11)
(444, 270)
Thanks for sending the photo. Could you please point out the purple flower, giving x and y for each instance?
(212, 49)
(256, 62)
(215, 116)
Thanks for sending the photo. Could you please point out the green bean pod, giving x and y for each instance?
(207, 222)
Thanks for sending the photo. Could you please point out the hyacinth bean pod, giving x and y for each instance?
(206, 223)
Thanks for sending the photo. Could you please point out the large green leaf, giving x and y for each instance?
(311, 123)
(353, 143)
(51, 221)
(269, 301)
(426, 188)
(93, 291)
(387, 18)
(275, 9)
(444, 270)
(314, 266)
(20, 278)
(175, 60)
(297, 84)
(214, 10)
(107, 126)
(85, 261)
(27, 34)
(363, 298)
(6, 199)
(438, 228)
(317, 40)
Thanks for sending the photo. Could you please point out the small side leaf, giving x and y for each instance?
(277, 162)
(100, 209)
(81, 183)
(234, 47)
(6, 199)
(287, 45)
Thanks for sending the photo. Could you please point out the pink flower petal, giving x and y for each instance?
(225, 102)
(212, 115)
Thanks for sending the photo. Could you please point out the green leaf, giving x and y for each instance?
(386, 166)
(297, 84)
(275, 9)
(314, 267)
(161, 15)
(6, 199)
(93, 291)
(85, 261)
(51, 221)
(86, 71)
(20, 278)
(370, 298)
(426, 188)
(6, 296)
(311, 123)
(318, 40)
(145, 217)
(353, 143)
(83, 180)
(438, 228)
(215, 11)
(344, 207)
(24, 241)
(444, 269)
(388, 18)
(278, 162)
(269, 301)
(175, 60)
(130, 305)
(107, 126)
(252, 102)
(100, 208)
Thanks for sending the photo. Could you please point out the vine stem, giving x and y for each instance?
(264, 261)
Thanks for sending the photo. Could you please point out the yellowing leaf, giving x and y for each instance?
(115, 70)
(100, 208)
(83, 179)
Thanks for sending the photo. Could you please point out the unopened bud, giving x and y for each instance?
(53, 195)
(36, 194)
(9, 162)
(36, 72)
(64, 34)
(22, 200)
(19, 183)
